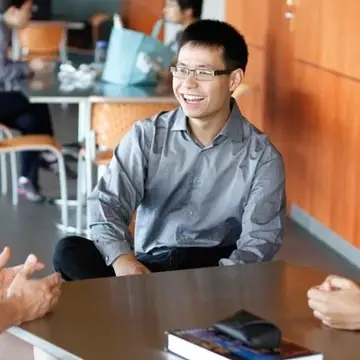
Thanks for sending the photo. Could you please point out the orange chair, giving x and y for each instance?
(46, 39)
(13, 144)
(110, 122)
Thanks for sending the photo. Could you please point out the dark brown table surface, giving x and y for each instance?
(125, 318)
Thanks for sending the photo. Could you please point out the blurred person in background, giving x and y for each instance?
(16, 112)
(183, 13)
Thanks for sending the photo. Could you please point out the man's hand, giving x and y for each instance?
(39, 83)
(33, 298)
(7, 275)
(40, 66)
(336, 302)
(128, 265)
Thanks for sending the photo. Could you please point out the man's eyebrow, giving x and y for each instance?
(201, 66)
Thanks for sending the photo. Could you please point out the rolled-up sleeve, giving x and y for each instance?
(264, 214)
(118, 193)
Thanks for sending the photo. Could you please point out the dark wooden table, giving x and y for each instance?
(125, 318)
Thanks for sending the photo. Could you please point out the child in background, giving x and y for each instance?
(15, 110)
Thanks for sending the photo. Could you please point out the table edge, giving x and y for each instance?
(101, 99)
(133, 99)
(41, 344)
(56, 99)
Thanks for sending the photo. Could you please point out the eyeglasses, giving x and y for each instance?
(200, 74)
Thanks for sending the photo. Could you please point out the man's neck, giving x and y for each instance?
(206, 130)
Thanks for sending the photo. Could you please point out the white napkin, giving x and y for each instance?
(71, 78)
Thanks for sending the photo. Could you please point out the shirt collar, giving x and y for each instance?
(180, 121)
(233, 129)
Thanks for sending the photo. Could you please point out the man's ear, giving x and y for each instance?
(236, 79)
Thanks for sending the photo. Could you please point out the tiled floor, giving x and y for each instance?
(31, 228)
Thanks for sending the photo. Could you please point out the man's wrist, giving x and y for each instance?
(13, 310)
(226, 262)
(121, 260)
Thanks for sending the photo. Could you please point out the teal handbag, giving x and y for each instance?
(132, 56)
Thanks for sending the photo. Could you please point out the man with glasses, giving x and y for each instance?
(208, 188)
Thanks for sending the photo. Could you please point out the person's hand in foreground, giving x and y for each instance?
(32, 298)
(336, 302)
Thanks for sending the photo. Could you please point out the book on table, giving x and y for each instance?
(211, 344)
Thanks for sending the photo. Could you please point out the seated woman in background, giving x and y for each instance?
(15, 110)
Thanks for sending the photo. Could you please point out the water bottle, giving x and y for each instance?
(100, 53)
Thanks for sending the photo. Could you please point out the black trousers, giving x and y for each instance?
(77, 258)
(30, 119)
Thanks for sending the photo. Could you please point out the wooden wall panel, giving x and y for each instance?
(350, 31)
(140, 15)
(250, 18)
(340, 50)
(356, 174)
(326, 34)
(307, 30)
(346, 215)
(314, 120)
(254, 28)
(324, 138)
(252, 103)
(311, 96)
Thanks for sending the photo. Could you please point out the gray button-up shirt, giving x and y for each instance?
(229, 192)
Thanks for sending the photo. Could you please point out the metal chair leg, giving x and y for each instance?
(88, 182)
(63, 189)
(4, 180)
(80, 193)
(14, 178)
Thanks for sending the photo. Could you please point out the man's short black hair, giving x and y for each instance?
(218, 34)
(6, 4)
(195, 5)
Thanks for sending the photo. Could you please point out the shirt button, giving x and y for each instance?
(107, 258)
(191, 212)
(198, 181)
